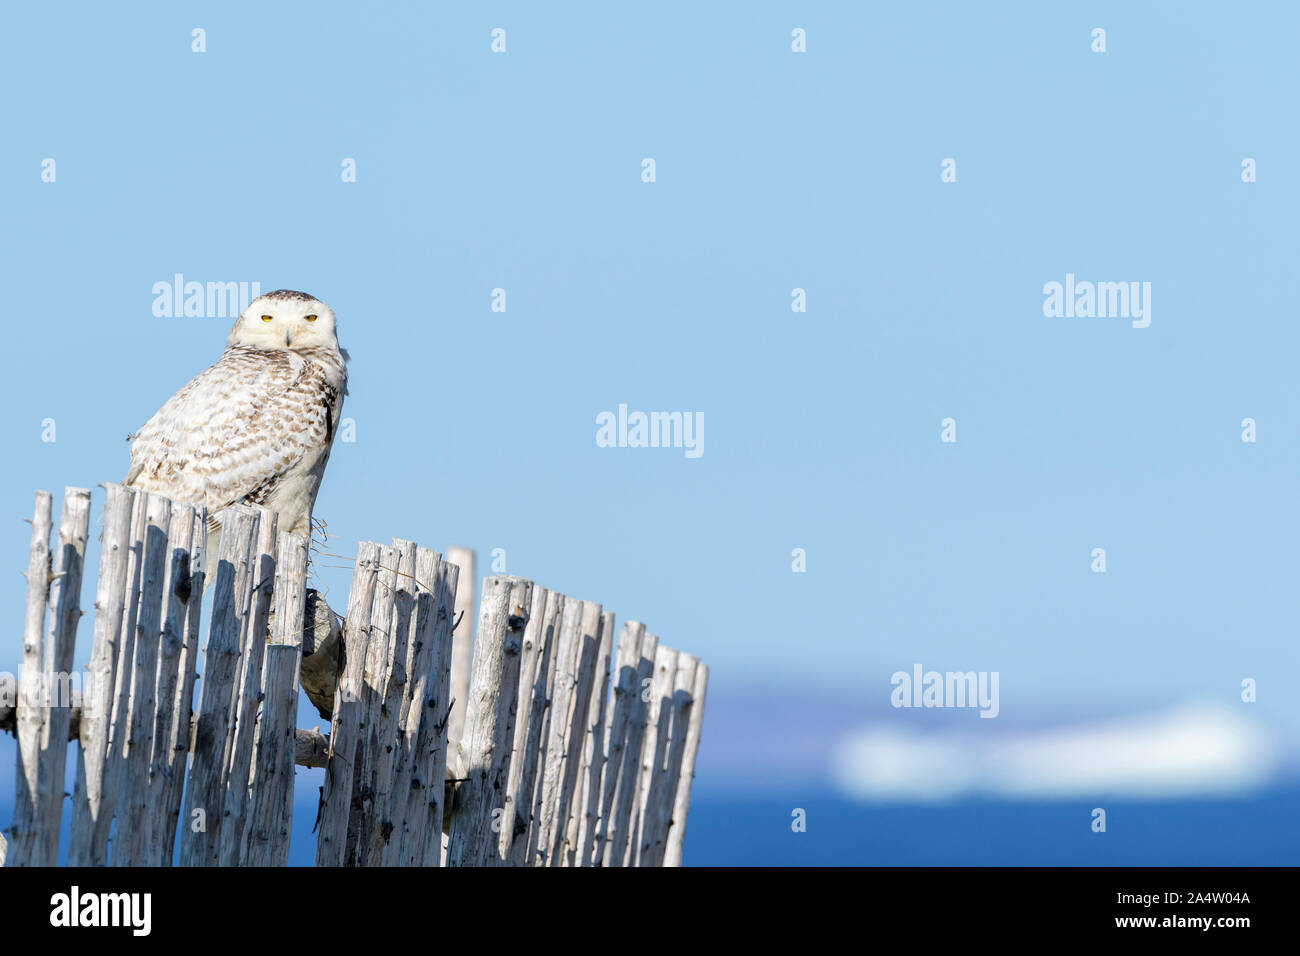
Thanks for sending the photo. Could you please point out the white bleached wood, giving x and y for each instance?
(379, 656)
(653, 751)
(587, 811)
(97, 705)
(682, 798)
(176, 598)
(564, 823)
(182, 723)
(529, 707)
(414, 654)
(524, 846)
(345, 727)
(462, 647)
(200, 825)
(25, 848)
(489, 722)
(422, 845)
(417, 618)
(618, 711)
(133, 821)
(270, 812)
(549, 709)
(393, 692)
(60, 650)
(622, 824)
(119, 719)
(568, 646)
(663, 785)
(249, 696)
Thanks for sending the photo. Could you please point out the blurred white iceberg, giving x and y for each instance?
(1196, 749)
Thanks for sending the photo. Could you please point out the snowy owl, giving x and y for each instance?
(257, 427)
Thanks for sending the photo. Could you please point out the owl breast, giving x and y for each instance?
(255, 428)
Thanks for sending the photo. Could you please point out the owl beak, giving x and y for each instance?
(286, 339)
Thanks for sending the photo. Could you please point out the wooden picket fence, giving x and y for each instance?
(576, 749)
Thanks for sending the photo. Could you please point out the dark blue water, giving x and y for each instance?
(1263, 830)
(731, 830)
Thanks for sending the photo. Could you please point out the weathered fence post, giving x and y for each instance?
(682, 798)
(395, 766)
(462, 648)
(43, 707)
(653, 749)
(345, 728)
(424, 694)
(65, 614)
(92, 808)
(570, 658)
(530, 710)
(25, 834)
(583, 839)
(201, 825)
(133, 801)
(178, 596)
(119, 718)
(248, 691)
(564, 823)
(541, 725)
(394, 630)
(489, 722)
(619, 835)
(266, 838)
(675, 708)
(438, 582)
(619, 710)
(555, 770)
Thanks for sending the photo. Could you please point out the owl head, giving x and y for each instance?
(285, 320)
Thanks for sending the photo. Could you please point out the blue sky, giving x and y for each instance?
(774, 170)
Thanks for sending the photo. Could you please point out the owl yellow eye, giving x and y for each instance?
(266, 318)
(310, 318)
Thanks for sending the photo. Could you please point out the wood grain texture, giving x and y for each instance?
(530, 711)
(265, 840)
(25, 845)
(618, 715)
(682, 796)
(345, 728)
(541, 721)
(462, 651)
(621, 838)
(206, 785)
(132, 808)
(248, 691)
(91, 811)
(587, 812)
(176, 597)
(485, 745)
(576, 750)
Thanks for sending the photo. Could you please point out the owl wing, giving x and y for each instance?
(230, 433)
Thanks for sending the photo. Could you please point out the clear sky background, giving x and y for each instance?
(775, 170)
